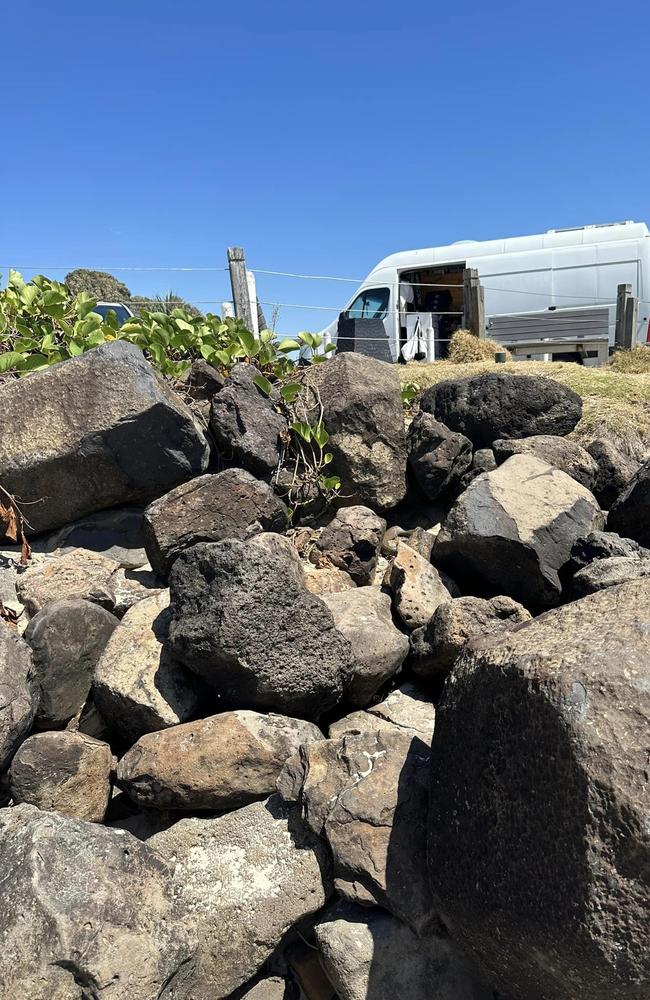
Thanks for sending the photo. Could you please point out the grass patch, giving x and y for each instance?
(465, 347)
(616, 404)
(634, 362)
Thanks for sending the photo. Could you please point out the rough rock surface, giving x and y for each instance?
(242, 879)
(614, 471)
(417, 586)
(67, 638)
(245, 425)
(608, 573)
(552, 783)
(18, 692)
(363, 414)
(364, 617)
(601, 545)
(368, 796)
(84, 911)
(437, 456)
(138, 687)
(97, 430)
(406, 708)
(513, 529)
(243, 621)
(230, 504)
(502, 405)
(66, 772)
(266, 989)
(326, 580)
(370, 955)
(483, 460)
(436, 647)
(351, 541)
(630, 515)
(78, 575)
(221, 762)
(116, 534)
(568, 456)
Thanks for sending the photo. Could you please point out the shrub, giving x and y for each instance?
(634, 362)
(101, 285)
(465, 347)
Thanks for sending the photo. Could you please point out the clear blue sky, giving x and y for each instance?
(319, 136)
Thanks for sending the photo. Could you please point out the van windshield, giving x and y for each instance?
(371, 303)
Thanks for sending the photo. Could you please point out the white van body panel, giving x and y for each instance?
(560, 269)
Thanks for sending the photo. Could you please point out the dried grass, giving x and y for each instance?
(464, 347)
(634, 362)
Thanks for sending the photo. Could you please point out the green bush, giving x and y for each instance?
(101, 285)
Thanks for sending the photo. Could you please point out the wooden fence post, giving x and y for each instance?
(623, 293)
(473, 302)
(239, 283)
(631, 313)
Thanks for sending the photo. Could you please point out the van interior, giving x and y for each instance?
(436, 290)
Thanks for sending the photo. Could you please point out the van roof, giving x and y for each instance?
(462, 249)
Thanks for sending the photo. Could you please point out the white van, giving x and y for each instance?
(560, 286)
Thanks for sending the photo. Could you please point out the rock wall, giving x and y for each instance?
(397, 747)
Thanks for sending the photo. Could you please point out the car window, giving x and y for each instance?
(371, 303)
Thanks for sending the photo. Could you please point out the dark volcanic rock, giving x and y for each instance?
(352, 541)
(246, 426)
(549, 800)
(501, 405)
(67, 638)
(608, 573)
(614, 471)
(243, 620)
(601, 545)
(18, 692)
(513, 529)
(230, 504)
(97, 430)
(568, 456)
(438, 456)
(630, 515)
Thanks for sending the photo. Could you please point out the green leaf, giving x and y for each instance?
(75, 348)
(10, 361)
(329, 348)
(35, 362)
(263, 384)
(327, 457)
(248, 342)
(288, 345)
(222, 357)
(302, 429)
(290, 391)
(306, 338)
(206, 351)
(331, 483)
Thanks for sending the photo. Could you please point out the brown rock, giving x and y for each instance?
(417, 586)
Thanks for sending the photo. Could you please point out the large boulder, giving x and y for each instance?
(230, 504)
(512, 530)
(539, 849)
(610, 572)
(368, 796)
(630, 515)
(438, 457)
(245, 424)
(221, 762)
(351, 541)
(568, 456)
(18, 692)
(66, 772)
(363, 414)
(84, 912)
(67, 638)
(417, 586)
(138, 686)
(97, 430)
(364, 616)
(601, 545)
(436, 646)
(242, 880)
(370, 955)
(502, 405)
(614, 470)
(245, 622)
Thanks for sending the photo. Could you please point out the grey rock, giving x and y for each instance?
(363, 414)
(502, 405)
(221, 762)
(364, 617)
(367, 953)
(230, 504)
(614, 471)
(630, 514)
(436, 647)
(608, 573)
(85, 911)
(138, 686)
(78, 575)
(406, 708)
(513, 529)
(18, 692)
(483, 460)
(243, 621)
(97, 430)
(417, 587)
(272, 988)
(568, 456)
(64, 772)
(116, 534)
(242, 880)
(322, 580)
(351, 541)
(421, 540)
(552, 783)
(601, 545)
(202, 382)
(67, 638)
(127, 587)
(437, 456)
(368, 796)
(245, 424)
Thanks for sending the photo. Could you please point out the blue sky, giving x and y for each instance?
(320, 137)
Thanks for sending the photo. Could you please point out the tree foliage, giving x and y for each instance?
(101, 285)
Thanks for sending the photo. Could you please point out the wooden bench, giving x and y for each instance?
(558, 331)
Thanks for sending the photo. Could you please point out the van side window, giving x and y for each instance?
(372, 303)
